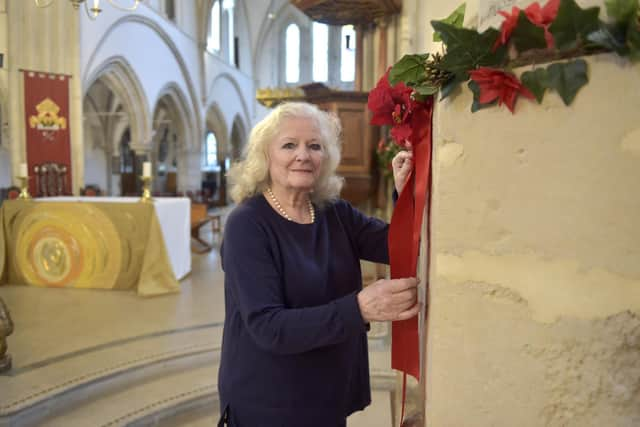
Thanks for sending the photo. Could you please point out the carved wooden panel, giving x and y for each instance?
(343, 12)
(356, 164)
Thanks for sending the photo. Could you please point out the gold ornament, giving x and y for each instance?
(435, 76)
(47, 118)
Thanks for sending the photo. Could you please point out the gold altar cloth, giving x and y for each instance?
(84, 245)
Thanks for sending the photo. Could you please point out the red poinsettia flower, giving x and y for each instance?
(394, 106)
(496, 84)
(508, 25)
(386, 101)
(539, 16)
(543, 17)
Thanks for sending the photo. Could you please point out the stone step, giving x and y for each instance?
(165, 379)
(144, 398)
(38, 392)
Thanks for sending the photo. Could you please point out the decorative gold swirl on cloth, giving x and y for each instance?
(67, 244)
(84, 245)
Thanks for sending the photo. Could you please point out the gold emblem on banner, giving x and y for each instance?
(47, 118)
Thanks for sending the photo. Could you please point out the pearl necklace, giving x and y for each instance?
(312, 212)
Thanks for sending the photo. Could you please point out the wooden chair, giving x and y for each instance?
(51, 179)
(91, 191)
(199, 218)
(13, 192)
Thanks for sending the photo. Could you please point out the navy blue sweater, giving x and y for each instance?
(294, 348)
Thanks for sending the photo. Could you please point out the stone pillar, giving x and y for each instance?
(535, 278)
(382, 25)
(44, 40)
(359, 57)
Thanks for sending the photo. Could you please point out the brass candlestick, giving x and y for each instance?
(24, 188)
(146, 189)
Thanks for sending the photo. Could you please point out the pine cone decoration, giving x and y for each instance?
(435, 76)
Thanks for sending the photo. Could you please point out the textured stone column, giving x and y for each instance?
(535, 279)
(44, 40)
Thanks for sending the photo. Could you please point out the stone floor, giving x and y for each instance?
(89, 357)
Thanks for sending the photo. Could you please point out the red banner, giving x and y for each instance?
(46, 101)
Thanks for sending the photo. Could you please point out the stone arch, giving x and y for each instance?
(245, 50)
(238, 139)
(238, 95)
(171, 119)
(214, 178)
(173, 48)
(181, 110)
(118, 75)
(272, 39)
(215, 122)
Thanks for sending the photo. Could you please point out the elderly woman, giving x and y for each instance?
(294, 349)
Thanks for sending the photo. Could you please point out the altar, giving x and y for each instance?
(174, 217)
(103, 243)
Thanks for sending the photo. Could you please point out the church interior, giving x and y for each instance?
(119, 120)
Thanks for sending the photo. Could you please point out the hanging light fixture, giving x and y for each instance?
(94, 10)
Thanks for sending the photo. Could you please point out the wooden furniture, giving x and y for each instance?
(359, 138)
(199, 218)
(51, 179)
(91, 191)
(13, 192)
(343, 12)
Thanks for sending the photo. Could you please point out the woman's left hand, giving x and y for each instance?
(402, 164)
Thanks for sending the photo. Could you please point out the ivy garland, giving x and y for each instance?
(553, 33)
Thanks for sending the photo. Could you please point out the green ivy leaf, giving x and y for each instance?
(573, 23)
(611, 37)
(633, 38)
(410, 69)
(476, 105)
(526, 35)
(426, 90)
(450, 86)
(621, 10)
(567, 78)
(536, 81)
(456, 19)
(468, 49)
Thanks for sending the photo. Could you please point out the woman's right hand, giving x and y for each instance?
(402, 164)
(389, 299)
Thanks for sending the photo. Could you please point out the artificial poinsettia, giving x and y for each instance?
(540, 16)
(496, 85)
(395, 106)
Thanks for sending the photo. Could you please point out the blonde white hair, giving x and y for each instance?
(250, 176)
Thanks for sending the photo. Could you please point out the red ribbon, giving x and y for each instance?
(404, 245)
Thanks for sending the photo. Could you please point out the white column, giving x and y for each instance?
(228, 6)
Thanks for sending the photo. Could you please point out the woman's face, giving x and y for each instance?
(296, 155)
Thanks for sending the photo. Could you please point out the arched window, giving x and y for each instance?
(320, 52)
(348, 54)
(213, 37)
(210, 150)
(292, 53)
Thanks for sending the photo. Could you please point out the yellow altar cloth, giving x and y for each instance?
(84, 245)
